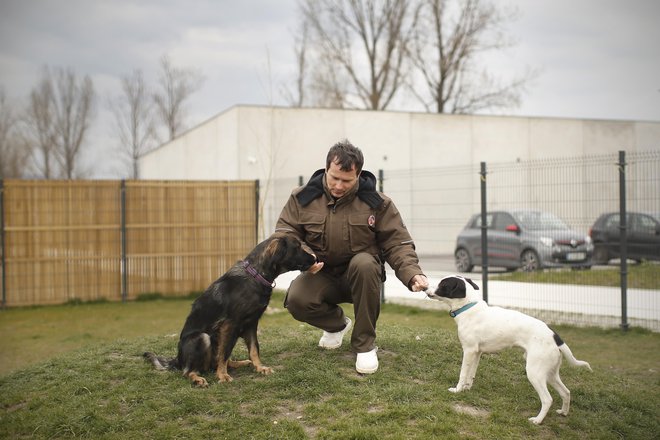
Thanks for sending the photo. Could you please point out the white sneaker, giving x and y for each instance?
(330, 341)
(367, 363)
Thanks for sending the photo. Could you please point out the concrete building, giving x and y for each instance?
(275, 144)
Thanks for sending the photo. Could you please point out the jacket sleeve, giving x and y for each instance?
(397, 245)
(289, 222)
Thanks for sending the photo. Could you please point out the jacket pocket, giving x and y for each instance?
(314, 226)
(361, 237)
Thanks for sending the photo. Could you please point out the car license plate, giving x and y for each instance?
(576, 256)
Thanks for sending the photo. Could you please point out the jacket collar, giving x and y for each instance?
(366, 189)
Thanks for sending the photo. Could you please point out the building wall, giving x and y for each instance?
(273, 143)
(251, 142)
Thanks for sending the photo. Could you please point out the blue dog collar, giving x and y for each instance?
(467, 306)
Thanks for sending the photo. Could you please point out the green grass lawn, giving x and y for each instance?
(645, 275)
(77, 371)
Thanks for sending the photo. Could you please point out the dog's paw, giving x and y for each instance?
(454, 390)
(561, 412)
(224, 377)
(200, 382)
(264, 370)
(536, 420)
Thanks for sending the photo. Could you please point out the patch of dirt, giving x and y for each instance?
(15, 407)
(470, 410)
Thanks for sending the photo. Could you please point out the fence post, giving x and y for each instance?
(484, 233)
(122, 233)
(624, 240)
(257, 194)
(2, 243)
(381, 178)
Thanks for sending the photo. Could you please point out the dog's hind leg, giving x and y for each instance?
(196, 379)
(537, 377)
(563, 392)
(238, 364)
(197, 357)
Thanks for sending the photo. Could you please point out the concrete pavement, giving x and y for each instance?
(553, 303)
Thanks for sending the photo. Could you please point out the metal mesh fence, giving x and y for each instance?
(436, 203)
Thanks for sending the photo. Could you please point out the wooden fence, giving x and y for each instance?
(89, 240)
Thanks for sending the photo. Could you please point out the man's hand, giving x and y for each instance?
(419, 283)
(315, 267)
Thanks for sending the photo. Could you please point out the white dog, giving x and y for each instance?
(485, 329)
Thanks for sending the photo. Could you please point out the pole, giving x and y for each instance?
(624, 240)
(256, 211)
(484, 234)
(381, 178)
(2, 244)
(122, 233)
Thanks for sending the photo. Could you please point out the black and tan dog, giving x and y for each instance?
(231, 308)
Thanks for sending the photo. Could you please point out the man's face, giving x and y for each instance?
(340, 182)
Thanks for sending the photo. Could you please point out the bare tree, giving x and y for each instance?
(14, 153)
(360, 48)
(133, 119)
(58, 118)
(40, 127)
(448, 39)
(175, 86)
(73, 105)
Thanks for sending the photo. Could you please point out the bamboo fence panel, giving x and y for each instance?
(182, 235)
(62, 239)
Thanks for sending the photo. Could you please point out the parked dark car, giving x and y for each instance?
(643, 237)
(529, 240)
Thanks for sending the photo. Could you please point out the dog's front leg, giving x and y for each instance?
(468, 371)
(226, 342)
(252, 343)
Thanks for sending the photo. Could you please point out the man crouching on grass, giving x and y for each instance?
(353, 230)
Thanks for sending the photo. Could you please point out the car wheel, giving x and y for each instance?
(463, 261)
(600, 255)
(529, 261)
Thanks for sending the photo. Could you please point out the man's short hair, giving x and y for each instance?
(346, 155)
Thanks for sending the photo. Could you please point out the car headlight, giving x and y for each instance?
(546, 241)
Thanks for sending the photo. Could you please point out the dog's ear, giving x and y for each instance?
(471, 283)
(451, 287)
(276, 246)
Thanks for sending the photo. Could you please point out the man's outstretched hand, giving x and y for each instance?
(419, 283)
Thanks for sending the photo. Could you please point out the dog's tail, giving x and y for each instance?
(568, 354)
(160, 363)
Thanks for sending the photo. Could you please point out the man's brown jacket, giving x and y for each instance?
(363, 220)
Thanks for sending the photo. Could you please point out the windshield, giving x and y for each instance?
(536, 221)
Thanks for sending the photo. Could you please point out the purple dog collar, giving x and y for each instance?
(257, 276)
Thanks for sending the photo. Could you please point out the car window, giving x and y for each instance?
(612, 221)
(477, 221)
(502, 220)
(537, 220)
(644, 224)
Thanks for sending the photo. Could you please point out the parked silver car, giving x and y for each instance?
(529, 240)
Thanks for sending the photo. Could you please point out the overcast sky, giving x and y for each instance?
(598, 59)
